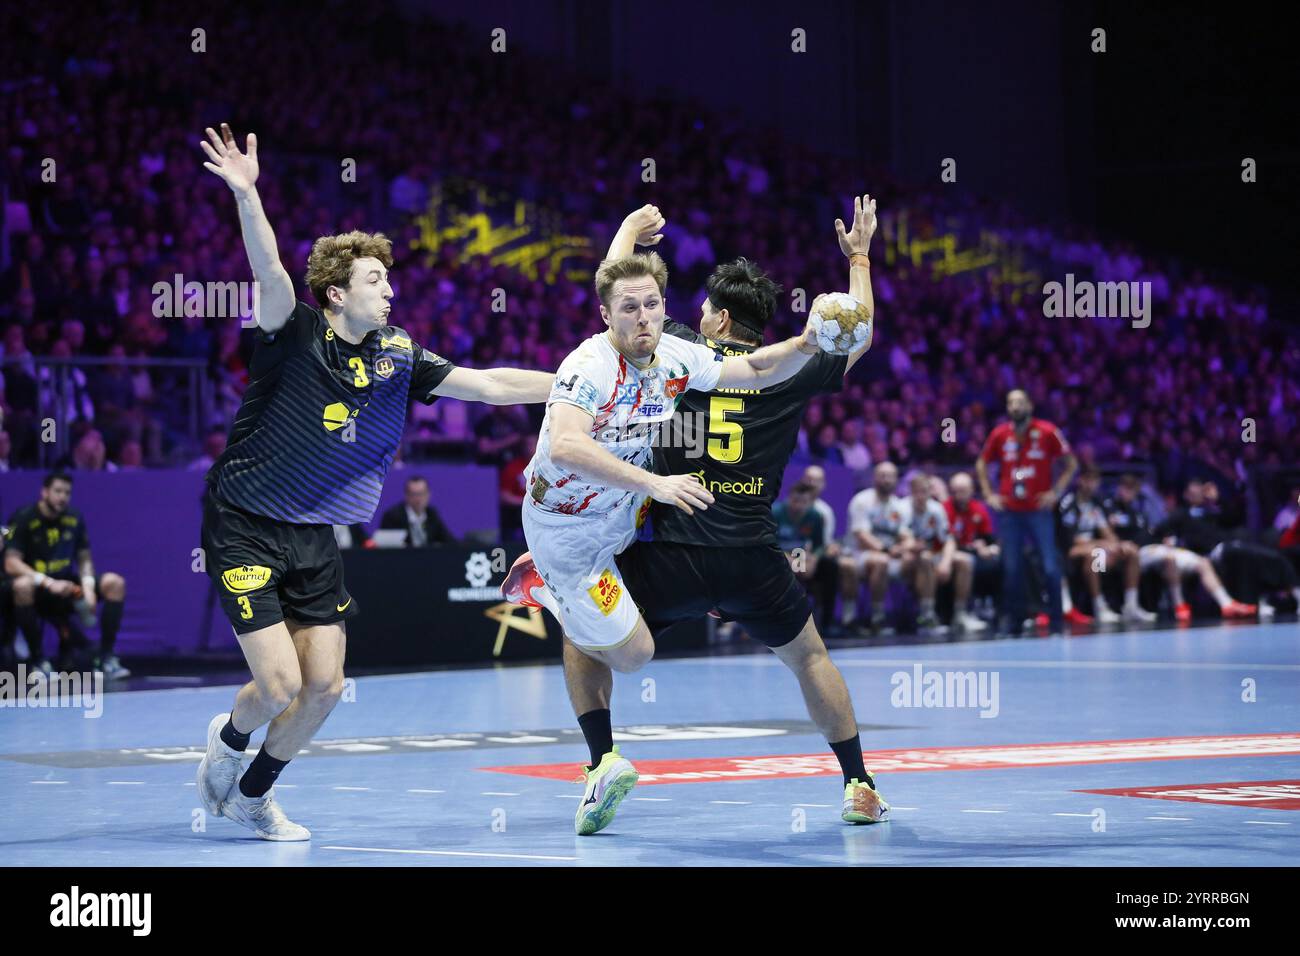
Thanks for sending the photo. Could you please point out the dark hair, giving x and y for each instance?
(803, 488)
(747, 294)
(416, 480)
(1091, 472)
(54, 476)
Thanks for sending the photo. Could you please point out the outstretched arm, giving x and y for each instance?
(855, 243)
(769, 365)
(496, 386)
(239, 170)
(640, 228)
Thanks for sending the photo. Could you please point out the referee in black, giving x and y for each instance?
(726, 557)
(321, 418)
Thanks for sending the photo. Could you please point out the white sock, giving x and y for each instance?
(1067, 605)
(1130, 598)
(1220, 595)
(927, 605)
(1295, 593)
(1176, 592)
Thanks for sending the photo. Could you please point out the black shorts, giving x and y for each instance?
(51, 607)
(752, 585)
(266, 570)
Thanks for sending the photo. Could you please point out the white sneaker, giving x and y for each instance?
(1266, 611)
(219, 768)
(1137, 615)
(969, 623)
(607, 785)
(113, 668)
(1105, 615)
(263, 816)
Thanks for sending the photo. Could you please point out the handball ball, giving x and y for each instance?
(841, 322)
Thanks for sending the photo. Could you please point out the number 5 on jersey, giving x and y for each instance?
(731, 446)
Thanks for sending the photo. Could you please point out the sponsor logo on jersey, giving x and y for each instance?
(397, 342)
(335, 416)
(606, 592)
(643, 511)
(384, 367)
(675, 386)
(655, 408)
(748, 485)
(248, 577)
(625, 394)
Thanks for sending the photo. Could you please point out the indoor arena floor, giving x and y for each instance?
(1201, 727)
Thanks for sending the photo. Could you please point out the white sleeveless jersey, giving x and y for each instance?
(627, 405)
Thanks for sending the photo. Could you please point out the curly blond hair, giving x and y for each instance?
(630, 267)
(331, 259)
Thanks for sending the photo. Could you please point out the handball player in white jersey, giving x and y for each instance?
(590, 477)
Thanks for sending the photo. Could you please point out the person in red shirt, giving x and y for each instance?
(511, 491)
(1025, 451)
(972, 526)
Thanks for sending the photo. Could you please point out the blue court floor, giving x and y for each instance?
(398, 775)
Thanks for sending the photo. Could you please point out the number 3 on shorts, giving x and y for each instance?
(245, 608)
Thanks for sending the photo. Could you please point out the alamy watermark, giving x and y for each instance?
(921, 688)
(1098, 300)
(35, 688)
(218, 300)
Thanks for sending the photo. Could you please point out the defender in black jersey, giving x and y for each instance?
(47, 556)
(310, 446)
(726, 557)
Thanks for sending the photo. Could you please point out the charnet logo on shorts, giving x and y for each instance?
(77, 909)
(246, 578)
(606, 592)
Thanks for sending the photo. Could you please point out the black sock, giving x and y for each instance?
(110, 620)
(32, 627)
(232, 738)
(596, 729)
(260, 775)
(849, 754)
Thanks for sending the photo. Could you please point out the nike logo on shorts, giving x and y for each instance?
(343, 606)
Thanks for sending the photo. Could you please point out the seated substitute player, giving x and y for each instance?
(935, 560)
(875, 523)
(972, 526)
(727, 557)
(1085, 535)
(47, 555)
(801, 536)
(321, 419)
(1129, 522)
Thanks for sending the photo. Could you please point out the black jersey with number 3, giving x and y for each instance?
(738, 443)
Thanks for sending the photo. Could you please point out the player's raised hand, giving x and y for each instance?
(858, 239)
(239, 170)
(682, 491)
(647, 222)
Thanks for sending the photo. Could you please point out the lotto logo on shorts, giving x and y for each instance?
(606, 592)
(247, 578)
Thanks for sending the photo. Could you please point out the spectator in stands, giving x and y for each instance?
(422, 523)
(213, 446)
(5, 449)
(852, 450)
(1025, 450)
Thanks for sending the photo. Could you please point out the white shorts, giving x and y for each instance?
(860, 559)
(575, 556)
(1149, 555)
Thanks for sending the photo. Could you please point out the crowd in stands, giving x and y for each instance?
(131, 205)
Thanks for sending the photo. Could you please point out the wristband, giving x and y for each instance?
(87, 583)
(40, 579)
(798, 347)
(853, 260)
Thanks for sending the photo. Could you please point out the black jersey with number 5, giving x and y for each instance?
(737, 442)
